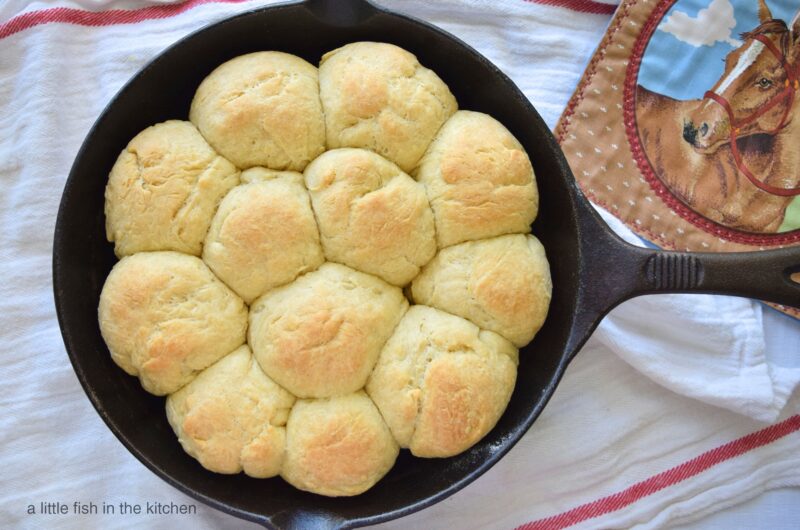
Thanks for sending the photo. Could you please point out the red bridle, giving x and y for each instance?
(791, 86)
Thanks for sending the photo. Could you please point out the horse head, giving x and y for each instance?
(753, 94)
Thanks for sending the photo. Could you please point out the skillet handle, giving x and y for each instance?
(765, 275)
(342, 12)
(613, 271)
(297, 519)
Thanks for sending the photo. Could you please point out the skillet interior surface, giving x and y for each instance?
(163, 90)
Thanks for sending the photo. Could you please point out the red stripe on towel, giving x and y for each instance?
(584, 6)
(111, 17)
(668, 478)
(80, 17)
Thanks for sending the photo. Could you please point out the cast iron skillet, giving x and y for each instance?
(592, 269)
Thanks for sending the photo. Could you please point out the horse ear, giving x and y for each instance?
(763, 12)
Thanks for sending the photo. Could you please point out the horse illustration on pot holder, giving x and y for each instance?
(732, 155)
(685, 125)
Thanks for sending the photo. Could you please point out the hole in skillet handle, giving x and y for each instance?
(342, 13)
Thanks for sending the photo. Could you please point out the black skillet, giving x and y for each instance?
(592, 269)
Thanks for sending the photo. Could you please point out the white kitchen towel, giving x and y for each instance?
(607, 429)
(711, 348)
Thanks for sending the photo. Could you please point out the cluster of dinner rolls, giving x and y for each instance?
(324, 266)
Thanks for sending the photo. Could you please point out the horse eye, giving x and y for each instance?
(764, 82)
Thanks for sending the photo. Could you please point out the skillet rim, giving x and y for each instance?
(264, 517)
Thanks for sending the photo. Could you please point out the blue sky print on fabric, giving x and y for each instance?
(685, 55)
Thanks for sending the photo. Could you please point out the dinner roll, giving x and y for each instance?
(264, 233)
(320, 335)
(378, 96)
(164, 189)
(479, 180)
(232, 417)
(372, 216)
(501, 284)
(165, 317)
(441, 383)
(337, 446)
(262, 109)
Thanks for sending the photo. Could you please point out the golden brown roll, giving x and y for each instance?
(337, 446)
(232, 417)
(479, 180)
(379, 97)
(320, 335)
(441, 383)
(264, 233)
(165, 317)
(262, 109)
(372, 216)
(501, 284)
(164, 189)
